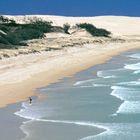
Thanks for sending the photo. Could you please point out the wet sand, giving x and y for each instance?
(10, 123)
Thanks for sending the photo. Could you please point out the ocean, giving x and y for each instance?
(100, 103)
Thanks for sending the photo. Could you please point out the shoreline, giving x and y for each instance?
(95, 128)
(71, 61)
(46, 61)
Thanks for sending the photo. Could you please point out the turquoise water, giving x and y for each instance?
(101, 103)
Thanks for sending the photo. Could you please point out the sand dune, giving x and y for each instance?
(119, 25)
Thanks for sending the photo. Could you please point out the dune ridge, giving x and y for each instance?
(121, 25)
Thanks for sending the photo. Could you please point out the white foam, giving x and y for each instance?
(118, 92)
(25, 113)
(122, 93)
(129, 107)
(27, 134)
(100, 74)
(131, 98)
(85, 86)
(137, 55)
(131, 83)
(92, 124)
(132, 66)
(118, 87)
(113, 93)
(112, 76)
(117, 131)
(113, 73)
(136, 72)
(83, 82)
(33, 112)
(88, 124)
(94, 85)
(100, 85)
(105, 74)
(79, 123)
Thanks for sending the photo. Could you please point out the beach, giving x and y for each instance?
(101, 102)
(57, 59)
(23, 71)
(19, 80)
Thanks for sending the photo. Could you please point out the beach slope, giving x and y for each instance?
(21, 75)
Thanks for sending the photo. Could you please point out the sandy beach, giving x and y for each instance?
(19, 80)
(20, 76)
(63, 106)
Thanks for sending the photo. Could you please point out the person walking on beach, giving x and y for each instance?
(30, 100)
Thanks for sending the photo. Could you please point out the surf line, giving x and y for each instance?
(80, 123)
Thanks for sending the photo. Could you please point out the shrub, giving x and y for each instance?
(6, 20)
(16, 34)
(93, 30)
(3, 40)
(22, 34)
(3, 19)
(66, 28)
(43, 26)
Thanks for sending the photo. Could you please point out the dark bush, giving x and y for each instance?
(93, 30)
(3, 40)
(16, 34)
(40, 25)
(3, 19)
(6, 20)
(57, 29)
(66, 28)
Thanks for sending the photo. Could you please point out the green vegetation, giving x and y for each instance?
(93, 30)
(66, 28)
(6, 20)
(13, 35)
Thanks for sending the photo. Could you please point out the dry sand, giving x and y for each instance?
(21, 75)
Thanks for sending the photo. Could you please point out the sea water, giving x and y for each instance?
(101, 103)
